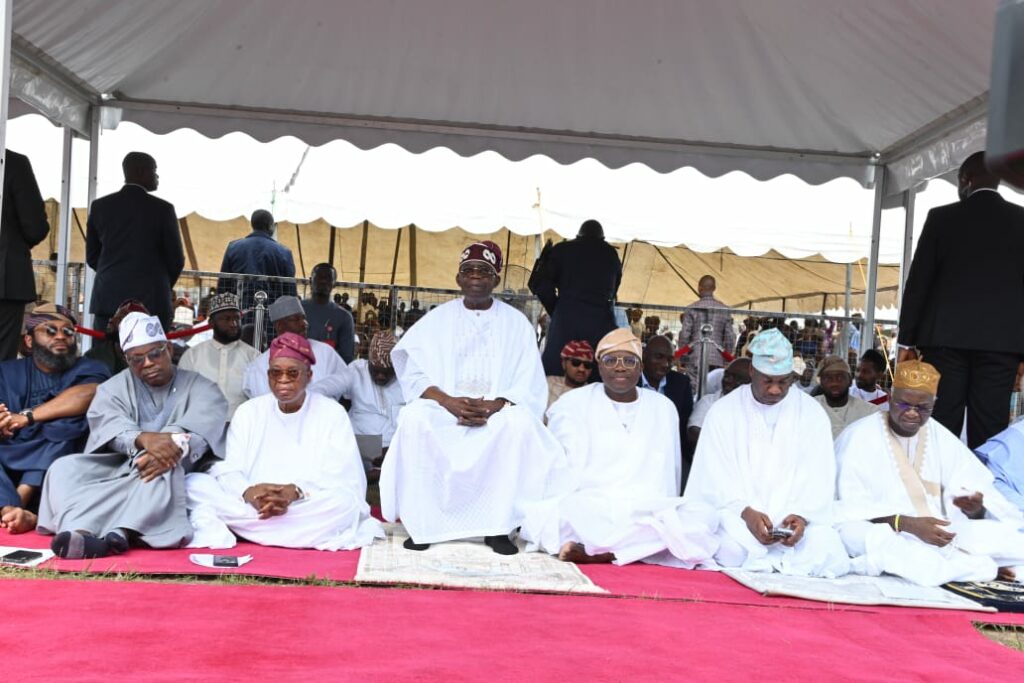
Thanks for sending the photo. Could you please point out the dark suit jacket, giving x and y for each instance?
(134, 245)
(257, 254)
(24, 226)
(679, 391)
(965, 289)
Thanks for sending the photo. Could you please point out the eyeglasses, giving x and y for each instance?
(153, 356)
(628, 362)
(51, 330)
(923, 409)
(278, 374)
(477, 271)
(576, 362)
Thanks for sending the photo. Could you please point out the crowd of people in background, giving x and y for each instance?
(770, 446)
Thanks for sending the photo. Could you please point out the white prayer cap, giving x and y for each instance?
(772, 354)
(139, 329)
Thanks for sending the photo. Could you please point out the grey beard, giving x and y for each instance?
(57, 362)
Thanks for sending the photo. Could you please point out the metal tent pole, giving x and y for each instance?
(868, 335)
(909, 198)
(64, 233)
(90, 274)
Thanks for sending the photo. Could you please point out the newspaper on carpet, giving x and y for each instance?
(854, 589)
(467, 564)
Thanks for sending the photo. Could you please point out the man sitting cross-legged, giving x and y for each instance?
(148, 425)
(470, 449)
(43, 399)
(765, 462)
(292, 475)
(620, 499)
(914, 501)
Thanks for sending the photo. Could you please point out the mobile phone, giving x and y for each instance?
(21, 557)
(781, 532)
(225, 561)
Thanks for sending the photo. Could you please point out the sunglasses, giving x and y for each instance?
(628, 362)
(153, 356)
(576, 362)
(477, 271)
(51, 330)
(278, 374)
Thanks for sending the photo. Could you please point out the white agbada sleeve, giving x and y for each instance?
(330, 373)
(232, 473)
(715, 477)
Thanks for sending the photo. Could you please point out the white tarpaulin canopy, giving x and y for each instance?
(819, 88)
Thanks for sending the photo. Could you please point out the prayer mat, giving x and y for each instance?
(467, 564)
(1005, 596)
(855, 590)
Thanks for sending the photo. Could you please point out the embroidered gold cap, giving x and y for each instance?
(915, 374)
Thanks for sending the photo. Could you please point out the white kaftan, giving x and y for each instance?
(881, 475)
(375, 408)
(619, 495)
(447, 481)
(330, 374)
(313, 448)
(777, 460)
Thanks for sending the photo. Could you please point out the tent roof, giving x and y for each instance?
(818, 88)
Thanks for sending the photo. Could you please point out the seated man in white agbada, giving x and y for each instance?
(292, 475)
(619, 501)
(765, 462)
(470, 449)
(914, 501)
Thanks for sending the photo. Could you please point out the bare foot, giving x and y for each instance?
(17, 520)
(1006, 574)
(575, 552)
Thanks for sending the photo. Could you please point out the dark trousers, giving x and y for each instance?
(12, 316)
(982, 382)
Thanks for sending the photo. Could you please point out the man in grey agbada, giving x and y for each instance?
(149, 425)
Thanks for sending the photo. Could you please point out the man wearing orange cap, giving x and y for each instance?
(577, 366)
(914, 501)
(620, 503)
(291, 475)
(470, 448)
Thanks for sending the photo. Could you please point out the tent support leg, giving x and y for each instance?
(64, 234)
(909, 198)
(868, 337)
(94, 165)
(6, 28)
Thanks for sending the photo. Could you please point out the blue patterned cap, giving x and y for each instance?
(772, 354)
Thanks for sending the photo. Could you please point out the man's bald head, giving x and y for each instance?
(591, 229)
(707, 285)
(262, 220)
(974, 175)
(140, 169)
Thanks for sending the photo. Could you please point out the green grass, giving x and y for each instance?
(1004, 634)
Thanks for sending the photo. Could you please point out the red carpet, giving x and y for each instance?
(95, 630)
(267, 561)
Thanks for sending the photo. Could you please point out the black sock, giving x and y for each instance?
(74, 545)
(409, 545)
(502, 545)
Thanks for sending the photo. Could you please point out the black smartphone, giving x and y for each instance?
(21, 556)
(225, 561)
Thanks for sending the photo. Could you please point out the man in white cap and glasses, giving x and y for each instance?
(620, 501)
(149, 425)
(765, 462)
(223, 359)
(330, 375)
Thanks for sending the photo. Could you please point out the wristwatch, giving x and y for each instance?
(28, 415)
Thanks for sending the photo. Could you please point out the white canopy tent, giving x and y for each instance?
(888, 94)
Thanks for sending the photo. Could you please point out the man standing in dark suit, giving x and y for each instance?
(134, 245)
(963, 303)
(577, 281)
(675, 386)
(24, 226)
